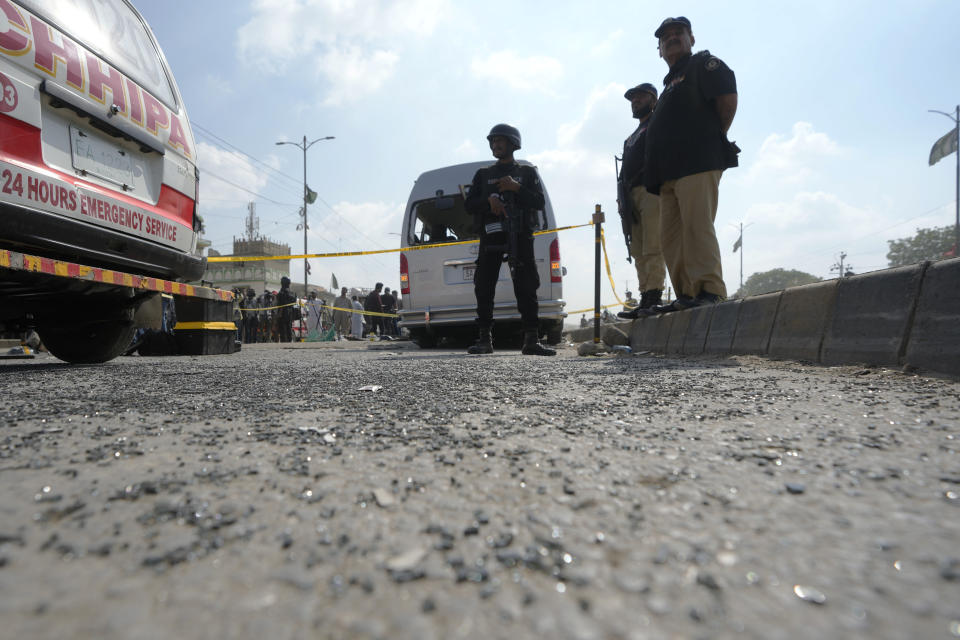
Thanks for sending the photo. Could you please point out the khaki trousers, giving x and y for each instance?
(688, 207)
(645, 240)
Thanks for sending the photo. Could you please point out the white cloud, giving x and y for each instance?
(215, 192)
(607, 45)
(354, 73)
(605, 120)
(793, 159)
(353, 44)
(466, 149)
(534, 73)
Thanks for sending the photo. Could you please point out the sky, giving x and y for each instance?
(832, 121)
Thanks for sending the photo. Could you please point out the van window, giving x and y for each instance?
(441, 219)
(115, 33)
(444, 219)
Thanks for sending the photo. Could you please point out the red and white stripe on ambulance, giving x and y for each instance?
(33, 45)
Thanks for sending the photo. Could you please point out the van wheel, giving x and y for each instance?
(555, 333)
(423, 339)
(88, 343)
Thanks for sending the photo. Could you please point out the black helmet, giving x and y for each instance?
(284, 281)
(510, 133)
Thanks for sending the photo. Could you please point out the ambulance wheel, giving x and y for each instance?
(555, 333)
(88, 343)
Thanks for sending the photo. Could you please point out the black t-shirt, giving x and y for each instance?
(529, 198)
(631, 172)
(684, 136)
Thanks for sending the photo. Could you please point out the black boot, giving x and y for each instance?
(532, 346)
(651, 298)
(484, 343)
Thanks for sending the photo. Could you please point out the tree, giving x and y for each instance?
(927, 244)
(774, 280)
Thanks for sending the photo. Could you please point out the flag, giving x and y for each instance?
(333, 282)
(308, 266)
(943, 147)
(738, 243)
(311, 195)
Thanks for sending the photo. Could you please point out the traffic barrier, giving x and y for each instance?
(678, 332)
(697, 329)
(872, 315)
(934, 341)
(723, 326)
(661, 332)
(803, 317)
(642, 332)
(755, 323)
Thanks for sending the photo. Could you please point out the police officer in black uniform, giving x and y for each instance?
(501, 185)
(285, 300)
(250, 317)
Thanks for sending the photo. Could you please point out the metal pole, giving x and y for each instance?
(741, 256)
(303, 333)
(597, 221)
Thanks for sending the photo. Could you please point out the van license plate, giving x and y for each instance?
(468, 273)
(102, 159)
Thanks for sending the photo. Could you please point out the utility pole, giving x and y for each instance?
(738, 246)
(955, 117)
(838, 266)
(306, 200)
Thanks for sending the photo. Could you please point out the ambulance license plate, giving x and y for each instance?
(468, 273)
(99, 158)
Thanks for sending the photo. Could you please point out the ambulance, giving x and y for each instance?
(436, 284)
(98, 167)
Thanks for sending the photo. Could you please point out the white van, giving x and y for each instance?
(437, 283)
(97, 166)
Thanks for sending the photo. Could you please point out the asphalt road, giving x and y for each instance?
(361, 490)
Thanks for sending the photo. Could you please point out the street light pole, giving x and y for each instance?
(955, 117)
(304, 146)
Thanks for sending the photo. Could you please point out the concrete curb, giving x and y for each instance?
(872, 316)
(904, 316)
(697, 330)
(934, 341)
(755, 324)
(678, 332)
(723, 325)
(802, 320)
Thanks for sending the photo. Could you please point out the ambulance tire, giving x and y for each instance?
(89, 343)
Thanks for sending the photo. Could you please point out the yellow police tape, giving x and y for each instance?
(603, 242)
(326, 308)
(346, 254)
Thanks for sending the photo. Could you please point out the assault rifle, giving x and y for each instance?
(625, 208)
(512, 222)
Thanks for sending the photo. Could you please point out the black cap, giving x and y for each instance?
(670, 21)
(646, 86)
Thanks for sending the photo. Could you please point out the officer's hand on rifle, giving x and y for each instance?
(496, 205)
(507, 183)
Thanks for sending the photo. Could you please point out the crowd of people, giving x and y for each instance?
(274, 315)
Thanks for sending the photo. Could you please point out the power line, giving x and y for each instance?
(256, 195)
(295, 181)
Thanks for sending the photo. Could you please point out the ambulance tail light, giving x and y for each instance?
(556, 272)
(404, 275)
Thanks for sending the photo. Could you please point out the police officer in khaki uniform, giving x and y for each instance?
(687, 151)
(640, 209)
